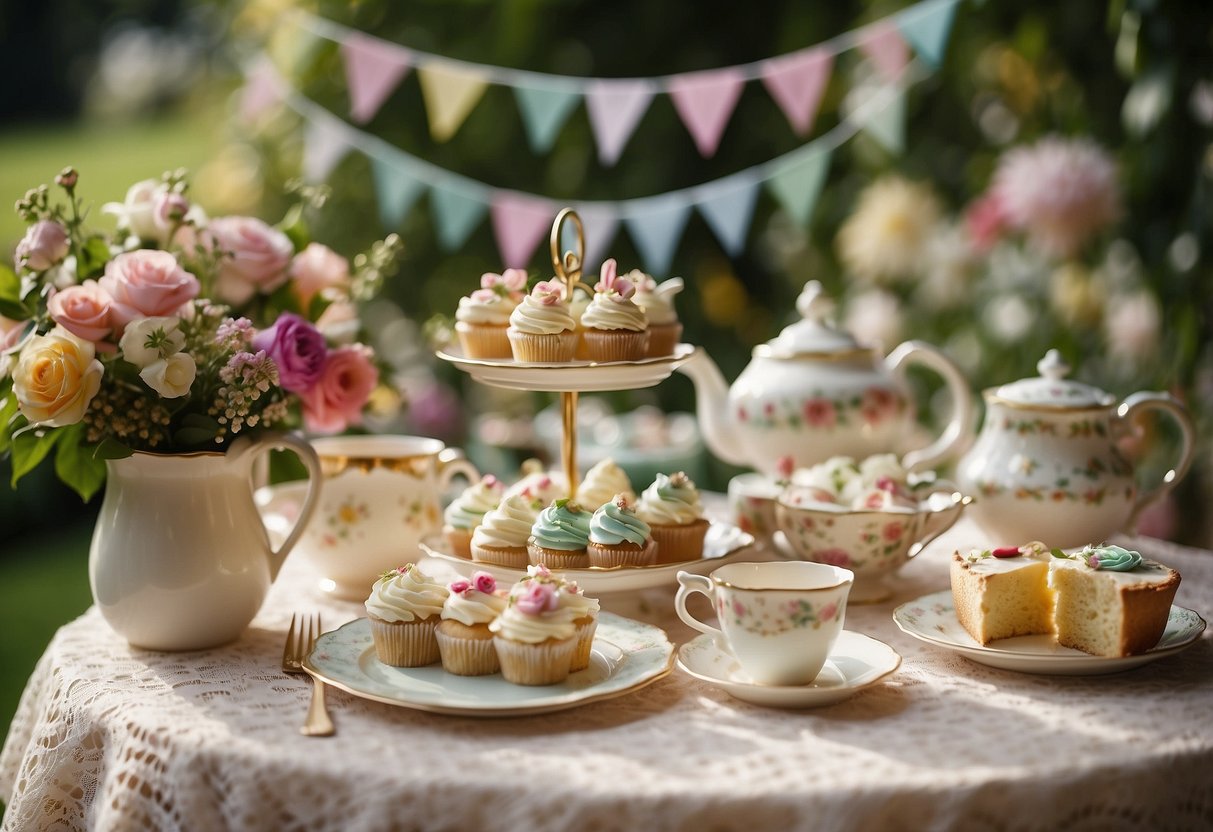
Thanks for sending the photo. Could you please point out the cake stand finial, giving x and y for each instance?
(567, 267)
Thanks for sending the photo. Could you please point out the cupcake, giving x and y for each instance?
(463, 633)
(585, 613)
(614, 328)
(618, 537)
(602, 482)
(483, 316)
(541, 327)
(559, 536)
(404, 609)
(672, 508)
(544, 486)
(501, 537)
(535, 636)
(466, 511)
(657, 301)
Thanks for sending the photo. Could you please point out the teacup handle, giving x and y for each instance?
(688, 583)
(451, 464)
(959, 431)
(1139, 403)
(938, 522)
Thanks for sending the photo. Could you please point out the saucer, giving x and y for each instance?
(857, 662)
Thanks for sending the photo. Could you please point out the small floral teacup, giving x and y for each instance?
(779, 620)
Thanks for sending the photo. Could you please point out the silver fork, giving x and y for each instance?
(299, 643)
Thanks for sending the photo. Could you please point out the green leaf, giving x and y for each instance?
(93, 256)
(14, 309)
(1058, 553)
(30, 447)
(111, 449)
(10, 284)
(77, 465)
(8, 409)
(294, 227)
(189, 437)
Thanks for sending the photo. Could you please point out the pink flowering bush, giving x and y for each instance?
(175, 334)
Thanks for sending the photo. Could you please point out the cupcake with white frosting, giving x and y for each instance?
(463, 635)
(538, 483)
(541, 327)
(467, 511)
(536, 636)
(404, 608)
(483, 316)
(672, 508)
(614, 328)
(582, 295)
(585, 613)
(618, 537)
(501, 538)
(657, 301)
(602, 482)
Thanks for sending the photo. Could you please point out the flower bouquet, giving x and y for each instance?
(175, 334)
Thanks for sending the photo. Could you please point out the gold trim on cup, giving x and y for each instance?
(414, 465)
(722, 582)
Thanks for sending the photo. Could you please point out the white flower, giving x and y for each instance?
(875, 318)
(837, 475)
(948, 270)
(1007, 318)
(136, 213)
(63, 275)
(148, 340)
(882, 465)
(170, 377)
(885, 239)
(1131, 327)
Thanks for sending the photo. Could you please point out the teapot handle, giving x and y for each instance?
(956, 437)
(1139, 403)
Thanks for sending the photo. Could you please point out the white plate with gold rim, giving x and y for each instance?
(856, 662)
(724, 543)
(626, 656)
(932, 618)
(570, 376)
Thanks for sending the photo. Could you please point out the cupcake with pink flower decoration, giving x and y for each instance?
(585, 613)
(614, 328)
(404, 608)
(535, 636)
(464, 639)
(483, 317)
(657, 301)
(541, 327)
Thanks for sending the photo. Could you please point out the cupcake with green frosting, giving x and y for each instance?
(618, 537)
(467, 511)
(559, 536)
(672, 508)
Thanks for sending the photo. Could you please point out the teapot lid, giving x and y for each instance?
(815, 333)
(1051, 389)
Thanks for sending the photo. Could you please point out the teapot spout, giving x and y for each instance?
(711, 405)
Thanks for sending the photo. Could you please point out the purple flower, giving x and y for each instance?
(297, 348)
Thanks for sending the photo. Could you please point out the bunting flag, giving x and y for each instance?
(704, 101)
(656, 225)
(615, 108)
(450, 92)
(927, 26)
(888, 125)
(544, 112)
(456, 215)
(886, 49)
(728, 210)
(373, 69)
(519, 224)
(797, 83)
(324, 146)
(397, 191)
(261, 90)
(797, 184)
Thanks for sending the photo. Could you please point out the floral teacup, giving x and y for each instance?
(873, 543)
(780, 620)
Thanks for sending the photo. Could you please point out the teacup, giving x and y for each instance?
(752, 500)
(780, 620)
(380, 498)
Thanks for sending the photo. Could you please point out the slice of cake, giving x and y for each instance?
(1111, 601)
(1000, 593)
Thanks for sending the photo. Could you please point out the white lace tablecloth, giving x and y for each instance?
(109, 737)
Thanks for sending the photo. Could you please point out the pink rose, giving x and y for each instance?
(785, 466)
(168, 209)
(459, 587)
(83, 310)
(484, 582)
(337, 399)
(820, 413)
(253, 258)
(548, 292)
(828, 612)
(892, 532)
(537, 598)
(297, 348)
(45, 243)
(834, 557)
(315, 269)
(146, 284)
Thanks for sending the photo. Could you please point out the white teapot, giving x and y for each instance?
(1047, 466)
(814, 392)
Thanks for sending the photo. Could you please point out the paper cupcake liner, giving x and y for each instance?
(615, 344)
(512, 556)
(584, 636)
(483, 340)
(557, 558)
(621, 554)
(545, 663)
(663, 338)
(460, 541)
(676, 543)
(527, 346)
(405, 643)
(465, 656)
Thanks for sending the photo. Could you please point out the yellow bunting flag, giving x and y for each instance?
(450, 93)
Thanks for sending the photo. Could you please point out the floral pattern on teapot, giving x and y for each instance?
(872, 408)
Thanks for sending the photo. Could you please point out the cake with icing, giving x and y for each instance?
(466, 512)
(602, 482)
(559, 536)
(618, 537)
(613, 327)
(535, 636)
(501, 538)
(464, 640)
(1104, 600)
(482, 317)
(584, 610)
(672, 508)
(541, 327)
(657, 301)
(404, 608)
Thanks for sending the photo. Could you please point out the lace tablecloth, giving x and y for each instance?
(109, 737)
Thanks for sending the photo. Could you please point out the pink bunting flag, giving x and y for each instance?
(885, 47)
(261, 90)
(519, 224)
(797, 83)
(373, 69)
(704, 101)
(615, 108)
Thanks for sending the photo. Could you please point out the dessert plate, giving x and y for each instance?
(627, 655)
(723, 544)
(932, 618)
(857, 662)
(571, 376)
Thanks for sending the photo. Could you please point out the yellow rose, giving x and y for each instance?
(56, 377)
